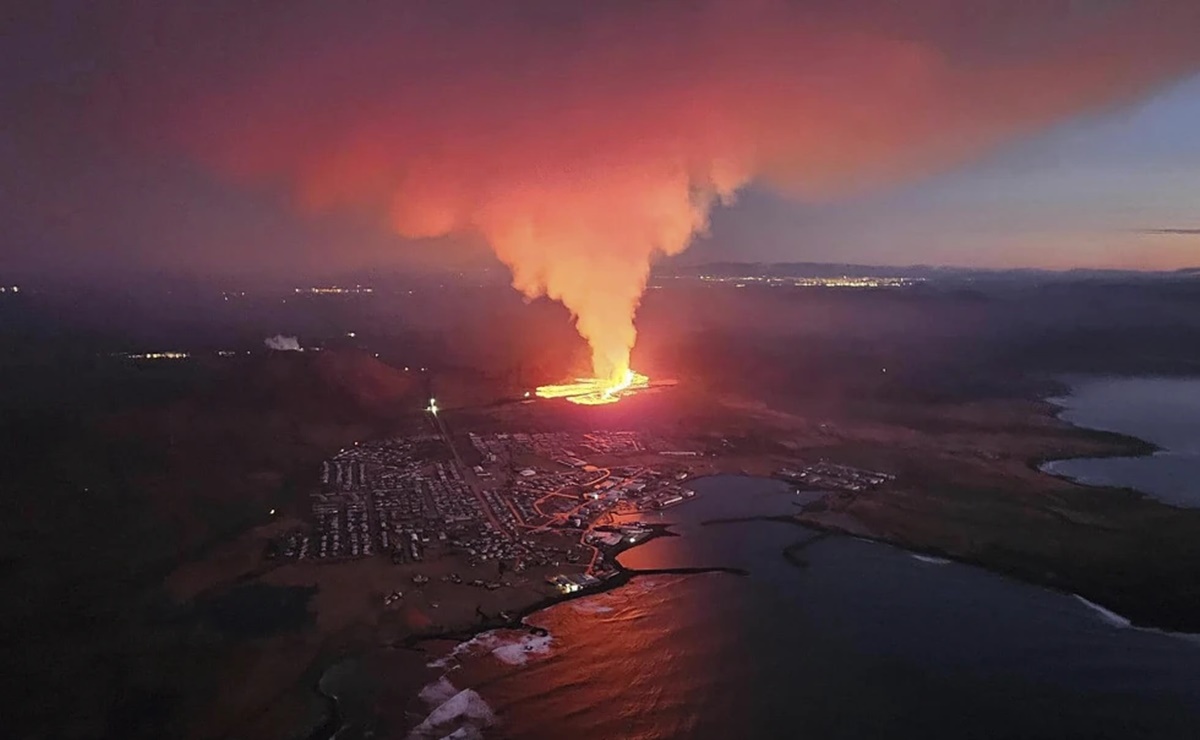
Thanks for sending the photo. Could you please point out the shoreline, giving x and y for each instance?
(792, 554)
(1119, 445)
(821, 532)
(517, 621)
(1136, 447)
(1125, 446)
(332, 724)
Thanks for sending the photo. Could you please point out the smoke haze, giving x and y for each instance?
(583, 141)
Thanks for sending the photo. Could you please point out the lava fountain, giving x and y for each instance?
(596, 391)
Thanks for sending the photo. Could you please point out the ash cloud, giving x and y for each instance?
(582, 141)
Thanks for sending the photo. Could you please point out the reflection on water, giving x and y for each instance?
(863, 642)
(1164, 411)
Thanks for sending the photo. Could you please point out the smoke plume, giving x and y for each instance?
(280, 343)
(583, 140)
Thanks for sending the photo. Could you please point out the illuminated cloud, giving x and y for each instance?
(581, 140)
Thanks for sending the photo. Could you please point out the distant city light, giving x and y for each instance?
(351, 334)
(843, 281)
(336, 290)
(154, 355)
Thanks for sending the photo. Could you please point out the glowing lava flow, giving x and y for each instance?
(594, 391)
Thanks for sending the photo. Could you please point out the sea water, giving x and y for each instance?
(864, 641)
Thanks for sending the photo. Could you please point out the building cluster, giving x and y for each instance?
(565, 448)
(155, 355)
(567, 489)
(174, 354)
(570, 583)
(829, 475)
(522, 500)
(389, 497)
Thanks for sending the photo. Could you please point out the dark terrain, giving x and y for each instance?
(117, 471)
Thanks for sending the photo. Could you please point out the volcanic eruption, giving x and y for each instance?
(596, 391)
(581, 141)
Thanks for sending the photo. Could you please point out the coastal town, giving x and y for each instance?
(825, 475)
(555, 506)
(556, 501)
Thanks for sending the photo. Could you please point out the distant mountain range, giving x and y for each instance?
(920, 272)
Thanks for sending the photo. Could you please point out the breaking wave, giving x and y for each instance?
(518, 652)
(507, 646)
(1116, 620)
(1111, 617)
(929, 559)
(438, 692)
(589, 606)
(462, 716)
(448, 660)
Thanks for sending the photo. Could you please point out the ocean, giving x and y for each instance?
(852, 639)
(1163, 411)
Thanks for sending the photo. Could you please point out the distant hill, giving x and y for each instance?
(309, 383)
(249, 439)
(923, 272)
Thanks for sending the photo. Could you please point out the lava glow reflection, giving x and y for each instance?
(595, 391)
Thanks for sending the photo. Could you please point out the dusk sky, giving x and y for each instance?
(1116, 189)
(233, 136)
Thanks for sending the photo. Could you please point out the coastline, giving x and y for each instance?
(936, 555)
(1139, 614)
(793, 554)
(333, 722)
(845, 523)
(1134, 446)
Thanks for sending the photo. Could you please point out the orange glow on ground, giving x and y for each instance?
(595, 391)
